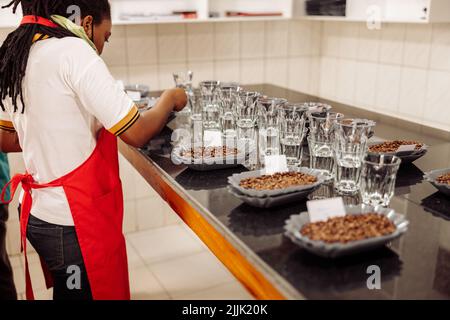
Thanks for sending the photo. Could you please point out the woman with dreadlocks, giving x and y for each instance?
(62, 108)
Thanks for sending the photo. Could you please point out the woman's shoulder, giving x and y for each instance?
(69, 50)
(72, 45)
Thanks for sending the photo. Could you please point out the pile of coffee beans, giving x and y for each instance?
(445, 179)
(209, 152)
(392, 146)
(349, 228)
(278, 181)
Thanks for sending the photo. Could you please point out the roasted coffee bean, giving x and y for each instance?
(349, 228)
(392, 146)
(278, 181)
(209, 152)
(445, 179)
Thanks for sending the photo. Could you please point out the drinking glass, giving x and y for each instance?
(379, 173)
(355, 131)
(228, 99)
(353, 199)
(246, 113)
(268, 111)
(196, 118)
(292, 126)
(350, 146)
(184, 80)
(211, 108)
(268, 128)
(321, 157)
(196, 103)
(317, 107)
(325, 191)
(322, 125)
(348, 157)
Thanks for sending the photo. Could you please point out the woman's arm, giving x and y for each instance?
(9, 142)
(151, 122)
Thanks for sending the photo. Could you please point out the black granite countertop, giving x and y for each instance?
(417, 266)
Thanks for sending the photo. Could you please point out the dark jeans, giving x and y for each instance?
(59, 248)
(7, 288)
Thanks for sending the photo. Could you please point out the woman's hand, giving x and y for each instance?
(179, 97)
(152, 121)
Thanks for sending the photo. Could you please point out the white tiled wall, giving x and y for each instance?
(282, 52)
(402, 70)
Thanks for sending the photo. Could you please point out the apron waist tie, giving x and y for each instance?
(28, 183)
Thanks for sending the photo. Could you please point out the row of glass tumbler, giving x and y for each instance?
(337, 146)
(277, 125)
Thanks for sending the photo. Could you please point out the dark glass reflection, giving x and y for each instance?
(437, 204)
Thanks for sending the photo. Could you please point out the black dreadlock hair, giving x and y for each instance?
(16, 48)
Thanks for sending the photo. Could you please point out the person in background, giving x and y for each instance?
(7, 288)
(61, 107)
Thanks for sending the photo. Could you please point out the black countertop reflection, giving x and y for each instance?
(416, 266)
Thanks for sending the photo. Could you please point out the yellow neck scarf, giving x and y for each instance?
(70, 26)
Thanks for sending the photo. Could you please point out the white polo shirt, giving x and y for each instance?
(69, 96)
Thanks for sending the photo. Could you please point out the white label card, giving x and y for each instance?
(134, 95)
(321, 210)
(212, 138)
(407, 148)
(276, 164)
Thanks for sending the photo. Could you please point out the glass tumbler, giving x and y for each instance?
(317, 107)
(322, 125)
(228, 99)
(184, 80)
(348, 164)
(379, 173)
(196, 103)
(246, 114)
(196, 118)
(356, 131)
(350, 146)
(325, 191)
(292, 126)
(211, 108)
(268, 128)
(321, 157)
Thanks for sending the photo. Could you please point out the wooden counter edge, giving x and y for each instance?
(238, 265)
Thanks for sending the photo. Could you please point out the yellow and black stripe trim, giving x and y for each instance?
(126, 122)
(39, 36)
(7, 126)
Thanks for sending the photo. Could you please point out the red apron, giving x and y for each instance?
(94, 193)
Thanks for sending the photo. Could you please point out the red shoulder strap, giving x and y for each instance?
(38, 20)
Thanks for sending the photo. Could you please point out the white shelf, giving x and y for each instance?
(203, 8)
(207, 20)
(394, 11)
(385, 11)
(346, 19)
(256, 6)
